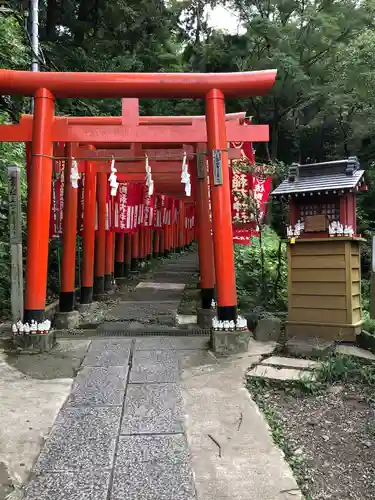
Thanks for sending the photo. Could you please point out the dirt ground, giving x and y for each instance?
(330, 438)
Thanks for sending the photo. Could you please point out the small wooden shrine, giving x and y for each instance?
(324, 278)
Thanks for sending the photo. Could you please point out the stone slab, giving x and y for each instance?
(160, 286)
(77, 485)
(152, 409)
(99, 386)
(143, 310)
(181, 278)
(153, 468)
(257, 348)
(366, 340)
(187, 319)
(81, 438)
(109, 352)
(154, 294)
(302, 364)
(270, 372)
(154, 366)
(248, 465)
(357, 352)
(171, 343)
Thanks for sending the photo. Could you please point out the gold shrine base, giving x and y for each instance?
(324, 289)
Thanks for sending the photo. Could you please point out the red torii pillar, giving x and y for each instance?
(100, 235)
(68, 265)
(38, 207)
(205, 247)
(221, 207)
(88, 236)
(128, 254)
(135, 251)
(120, 256)
(109, 259)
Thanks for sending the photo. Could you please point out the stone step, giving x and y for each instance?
(284, 362)
(357, 352)
(284, 374)
(160, 286)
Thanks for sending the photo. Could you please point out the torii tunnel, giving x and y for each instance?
(93, 143)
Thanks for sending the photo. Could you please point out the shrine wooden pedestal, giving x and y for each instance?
(324, 289)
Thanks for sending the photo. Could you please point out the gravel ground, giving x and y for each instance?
(329, 439)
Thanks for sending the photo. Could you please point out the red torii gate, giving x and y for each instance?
(46, 129)
(102, 277)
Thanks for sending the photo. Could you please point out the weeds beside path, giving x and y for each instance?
(326, 428)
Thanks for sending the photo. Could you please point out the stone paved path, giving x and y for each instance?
(160, 418)
(156, 298)
(120, 434)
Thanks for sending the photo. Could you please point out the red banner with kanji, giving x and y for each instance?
(261, 194)
(159, 211)
(241, 184)
(57, 200)
(242, 236)
(81, 203)
(148, 208)
(189, 216)
(249, 193)
(125, 208)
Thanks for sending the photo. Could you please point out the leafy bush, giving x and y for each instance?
(261, 270)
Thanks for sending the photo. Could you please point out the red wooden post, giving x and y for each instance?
(89, 210)
(141, 244)
(135, 250)
(39, 206)
(148, 246)
(221, 206)
(205, 247)
(157, 244)
(100, 234)
(128, 254)
(109, 260)
(166, 240)
(67, 292)
(120, 255)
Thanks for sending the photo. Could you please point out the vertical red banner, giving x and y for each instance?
(57, 200)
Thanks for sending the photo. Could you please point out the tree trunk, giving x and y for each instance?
(51, 19)
(82, 20)
(274, 140)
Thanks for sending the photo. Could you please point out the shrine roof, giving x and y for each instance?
(321, 177)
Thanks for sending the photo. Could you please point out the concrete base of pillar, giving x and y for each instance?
(121, 281)
(84, 308)
(108, 286)
(35, 342)
(205, 317)
(226, 343)
(100, 297)
(66, 320)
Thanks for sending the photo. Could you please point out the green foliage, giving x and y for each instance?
(321, 106)
(261, 271)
